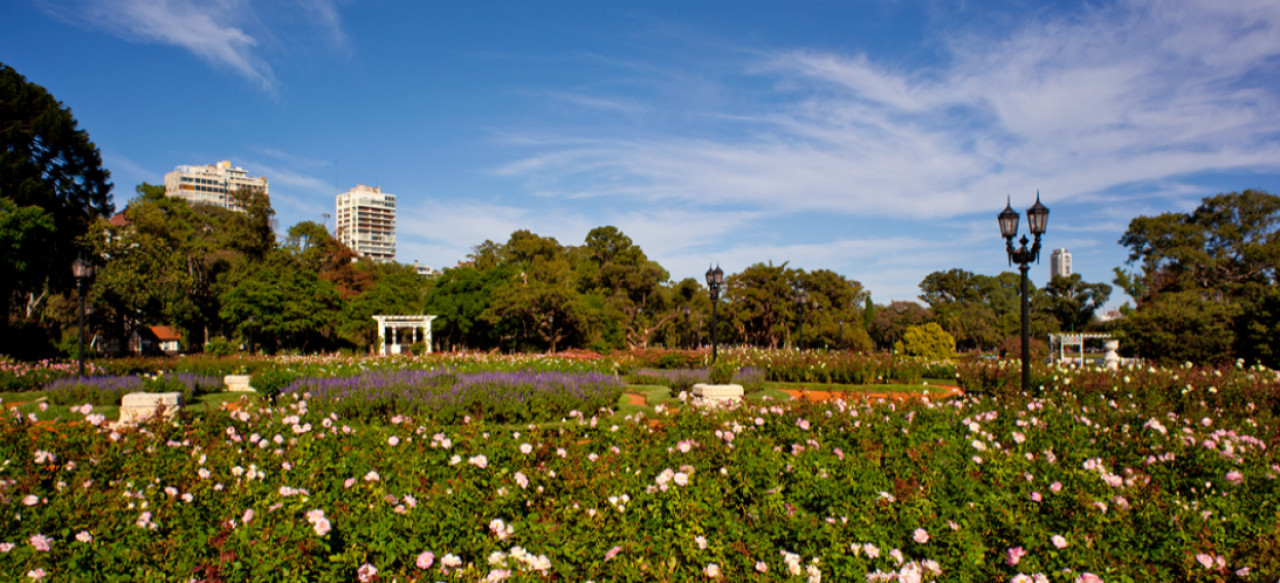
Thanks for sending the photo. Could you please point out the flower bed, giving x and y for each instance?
(1110, 480)
(446, 397)
(29, 376)
(678, 380)
(110, 390)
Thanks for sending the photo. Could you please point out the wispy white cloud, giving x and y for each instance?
(292, 179)
(620, 105)
(1076, 107)
(224, 33)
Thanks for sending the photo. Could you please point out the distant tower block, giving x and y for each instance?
(367, 222)
(1060, 263)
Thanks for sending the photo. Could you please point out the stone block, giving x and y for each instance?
(238, 383)
(717, 395)
(136, 407)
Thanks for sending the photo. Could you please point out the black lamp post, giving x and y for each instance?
(715, 282)
(250, 335)
(1037, 219)
(684, 342)
(82, 270)
(802, 298)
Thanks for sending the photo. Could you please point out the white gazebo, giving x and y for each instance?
(1078, 338)
(397, 332)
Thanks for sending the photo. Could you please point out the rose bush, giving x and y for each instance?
(1134, 475)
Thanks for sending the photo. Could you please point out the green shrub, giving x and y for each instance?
(927, 341)
(220, 347)
(270, 382)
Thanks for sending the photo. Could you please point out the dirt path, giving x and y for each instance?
(944, 392)
(635, 399)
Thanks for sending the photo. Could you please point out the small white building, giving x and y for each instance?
(425, 270)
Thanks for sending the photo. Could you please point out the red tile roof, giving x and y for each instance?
(165, 333)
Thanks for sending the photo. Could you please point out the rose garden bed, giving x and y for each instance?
(1139, 475)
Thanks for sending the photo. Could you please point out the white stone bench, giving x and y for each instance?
(136, 407)
(238, 383)
(717, 395)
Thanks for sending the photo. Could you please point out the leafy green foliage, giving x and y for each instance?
(929, 341)
(1073, 301)
(1205, 280)
(52, 187)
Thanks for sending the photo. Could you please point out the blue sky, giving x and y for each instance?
(874, 138)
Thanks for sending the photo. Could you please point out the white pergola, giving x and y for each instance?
(392, 331)
(1077, 338)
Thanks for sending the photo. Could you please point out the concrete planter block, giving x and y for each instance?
(238, 383)
(136, 407)
(717, 395)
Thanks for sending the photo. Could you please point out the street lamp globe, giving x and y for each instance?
(715, 278)
(1009, 220)
(81, 269)
(1037, 217)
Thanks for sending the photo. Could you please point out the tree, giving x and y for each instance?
(1213, 270)
(978, 310)
(283, 306)
(317, 250)
(540, 303)
(46, 163)
(1073, 301)
(24, 233)
(1229, 240)
(460, 298)
(762, 303)
(632, 289)
(1177, 327)
(832, 315)
(892, 321)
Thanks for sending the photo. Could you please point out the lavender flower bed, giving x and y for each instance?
(751, 378)
(109, 390)
(447, 397)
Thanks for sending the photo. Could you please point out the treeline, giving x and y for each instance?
(222, 278)
(1204, 284)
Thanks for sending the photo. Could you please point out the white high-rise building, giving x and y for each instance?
(1060, 263)
(212, 184)
(367, 222)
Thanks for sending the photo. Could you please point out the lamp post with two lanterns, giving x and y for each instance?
(715, 282)
(1037, 220)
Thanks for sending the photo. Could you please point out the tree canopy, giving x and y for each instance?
(1205, 281)
(52, 185)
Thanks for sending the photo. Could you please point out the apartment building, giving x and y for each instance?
(367, 222)
(1060, 263)
(212, 184)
